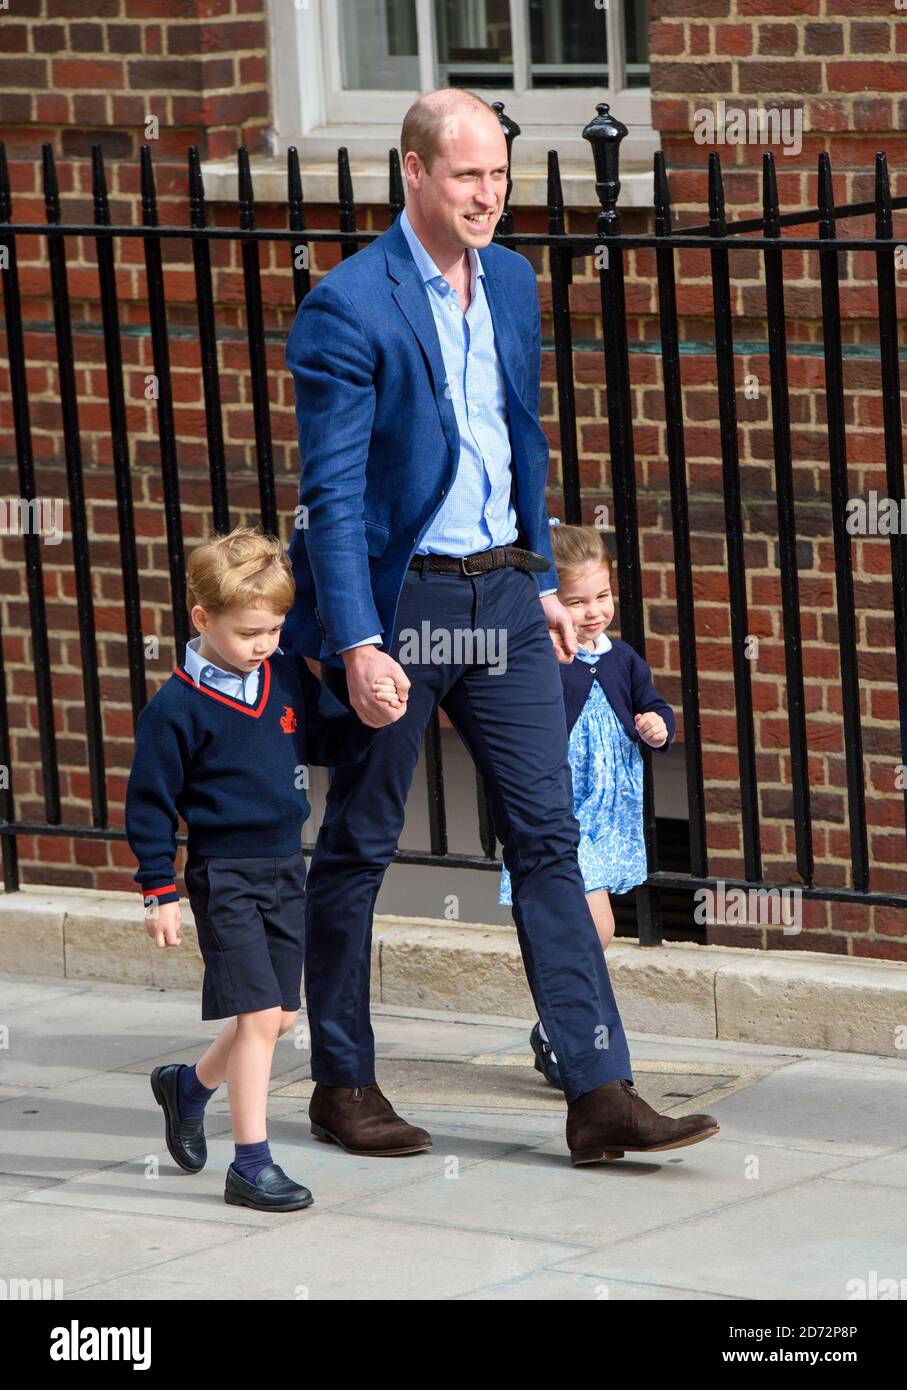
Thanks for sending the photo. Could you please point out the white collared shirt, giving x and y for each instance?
(244, 688)
(602, 645)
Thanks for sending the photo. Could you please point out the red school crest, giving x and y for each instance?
(288, 720)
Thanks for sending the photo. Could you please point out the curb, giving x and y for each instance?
(814, 1000)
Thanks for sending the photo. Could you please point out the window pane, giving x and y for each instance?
(568, 43)
(378, 43)
(636, 42)
(474, 43)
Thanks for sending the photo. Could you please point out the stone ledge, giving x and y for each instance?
(370, 183)
(714, 992)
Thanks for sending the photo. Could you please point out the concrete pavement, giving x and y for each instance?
(802, 1195)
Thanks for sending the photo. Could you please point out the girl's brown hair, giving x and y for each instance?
(241, 570)
(576, 546)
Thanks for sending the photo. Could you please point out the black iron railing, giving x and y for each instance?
(722, 239)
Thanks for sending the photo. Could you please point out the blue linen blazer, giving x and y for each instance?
(378, 438)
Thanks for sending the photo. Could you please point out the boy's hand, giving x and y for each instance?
(162, 923)
(385, 690)
(364, 665)
(651, 729)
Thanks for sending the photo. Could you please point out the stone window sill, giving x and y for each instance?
(370, 177)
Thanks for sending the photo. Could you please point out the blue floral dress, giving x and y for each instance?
(607, 794)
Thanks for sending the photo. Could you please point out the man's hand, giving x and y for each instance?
(651, 729)
(560, 628)
(162, 923)
(366, 671)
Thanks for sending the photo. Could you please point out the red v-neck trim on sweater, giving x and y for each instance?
(254, 710)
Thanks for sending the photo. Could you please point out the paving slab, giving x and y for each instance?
(557, 1286)
(79, 1248)
(332, 1255)
(533, 1191)
(802, 1189)
(806, 1242)
(823, 1106)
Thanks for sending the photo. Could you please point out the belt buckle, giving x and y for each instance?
(463, 559)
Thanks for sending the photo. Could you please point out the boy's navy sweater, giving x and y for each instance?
(626, 680)
(233, 771)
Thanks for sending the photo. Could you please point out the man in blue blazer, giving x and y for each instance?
(417, 369)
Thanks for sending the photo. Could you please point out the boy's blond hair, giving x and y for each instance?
(241, 570)
(575, 546)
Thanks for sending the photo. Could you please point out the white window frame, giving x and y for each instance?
(311, 109)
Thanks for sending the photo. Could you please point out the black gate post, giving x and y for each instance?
(605, 133)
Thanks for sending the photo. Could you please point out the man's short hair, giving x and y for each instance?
(425, 123)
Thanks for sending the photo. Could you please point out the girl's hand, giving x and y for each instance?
(386, 691)
(651, 729)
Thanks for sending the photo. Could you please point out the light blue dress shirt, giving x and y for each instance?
(244, 688)
(477, 512)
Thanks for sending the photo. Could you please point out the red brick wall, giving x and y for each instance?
(79, 74)
(73, 79)
(842, 64)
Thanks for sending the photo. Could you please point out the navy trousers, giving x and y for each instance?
(513, 723)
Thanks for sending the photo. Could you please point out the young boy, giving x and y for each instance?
(224, 744)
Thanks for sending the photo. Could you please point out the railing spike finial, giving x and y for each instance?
(149, 193)
(771, 208)
(295, 197)
(884, 225)
(555, 196)
(604, 133)
(197, 217)
(826, 197)
(717, 212)
(246, 193)
(344, 179)
(396, 194)
(99, 187)
(511, 131)
(6, 199)
(663, 215)
(51, 184)
(347, 205)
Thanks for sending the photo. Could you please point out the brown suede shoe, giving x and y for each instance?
(614, 1118)
(362, 1121)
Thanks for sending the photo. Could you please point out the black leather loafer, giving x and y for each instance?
(185, 1138)
(272, 1190)
(544, 1058)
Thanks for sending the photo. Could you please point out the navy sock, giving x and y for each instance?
(251, 1158)
(192, 1096)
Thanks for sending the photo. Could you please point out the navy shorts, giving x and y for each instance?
(250, 918)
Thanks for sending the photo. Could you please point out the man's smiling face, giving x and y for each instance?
(462, 198)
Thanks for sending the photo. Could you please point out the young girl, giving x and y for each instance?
(611, 705)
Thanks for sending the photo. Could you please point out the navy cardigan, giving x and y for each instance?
(626, 680)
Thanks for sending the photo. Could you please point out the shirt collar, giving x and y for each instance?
(198, 667)
(602, 645)
(426, 266)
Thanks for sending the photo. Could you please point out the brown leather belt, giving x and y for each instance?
(480, 561)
